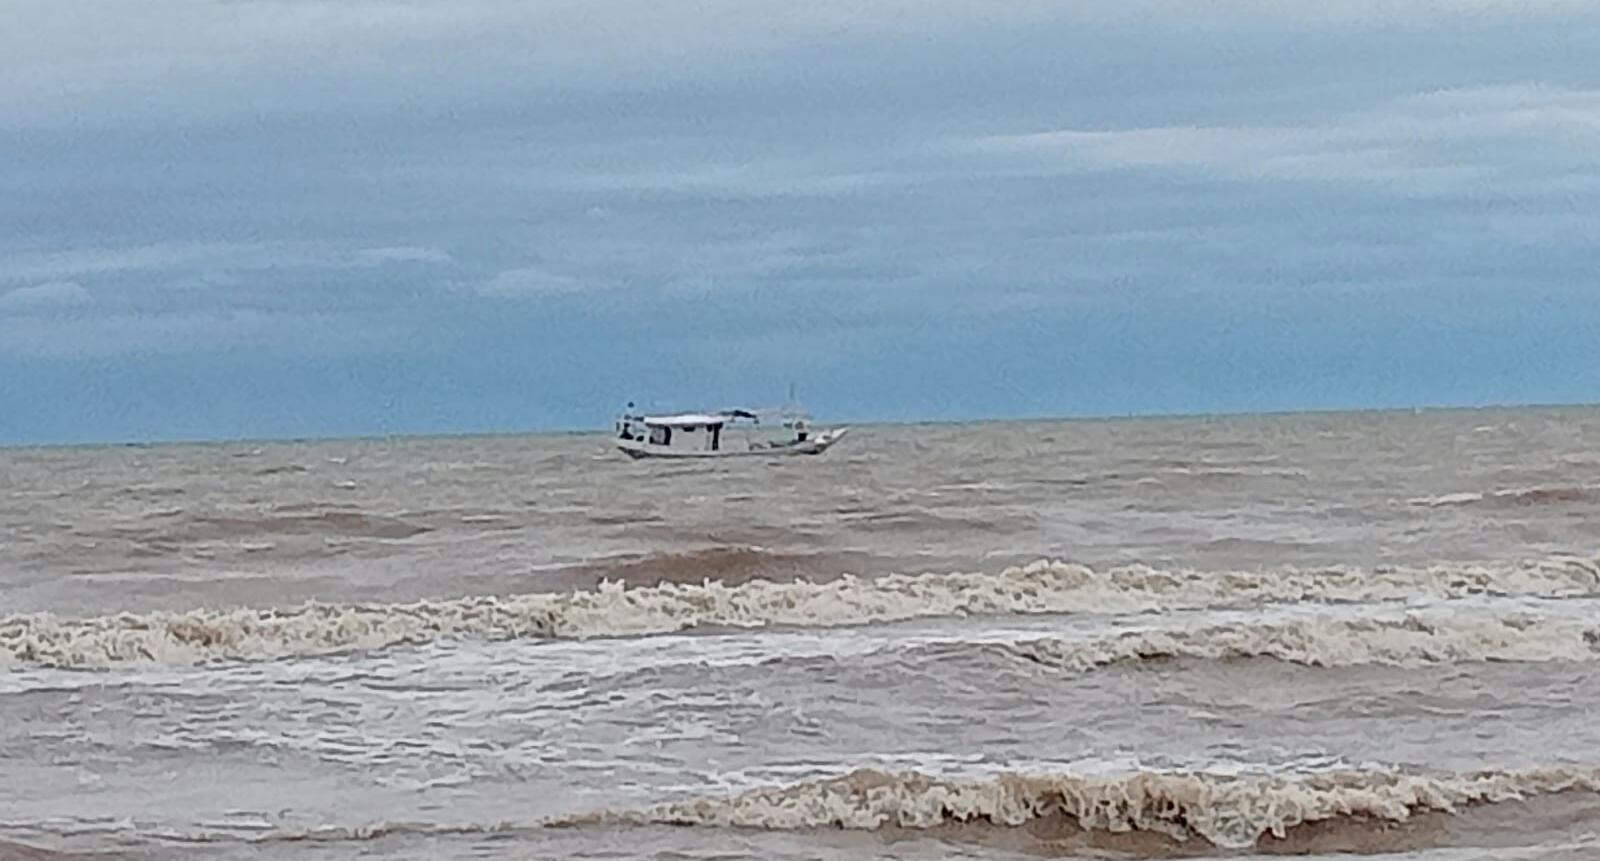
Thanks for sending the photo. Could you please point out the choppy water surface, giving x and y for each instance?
(1369, 633)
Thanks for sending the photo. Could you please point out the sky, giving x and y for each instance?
(297, 218)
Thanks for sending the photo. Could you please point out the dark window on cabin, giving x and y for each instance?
(661, 435)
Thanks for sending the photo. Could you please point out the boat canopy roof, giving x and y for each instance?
(684, 420)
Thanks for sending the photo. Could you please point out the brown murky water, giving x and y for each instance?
(1369, 633)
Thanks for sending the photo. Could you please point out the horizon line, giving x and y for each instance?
(584, 431)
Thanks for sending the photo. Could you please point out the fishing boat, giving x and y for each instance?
(722, 433)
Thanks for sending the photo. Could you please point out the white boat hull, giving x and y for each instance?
(822, 442)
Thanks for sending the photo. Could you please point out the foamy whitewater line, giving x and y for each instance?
(1229, 812)
(1411, 640)
(1346, 637)
(613, 609)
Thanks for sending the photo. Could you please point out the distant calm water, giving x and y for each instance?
(1374, 633)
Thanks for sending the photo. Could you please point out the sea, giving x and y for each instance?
(1332, 635)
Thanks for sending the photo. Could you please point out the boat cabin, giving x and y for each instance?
(687, 431)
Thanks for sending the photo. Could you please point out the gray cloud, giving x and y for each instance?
(398, 254)
(50, 294)
(213, 257)
(191, 334)
(1445, 141)
(532, 281)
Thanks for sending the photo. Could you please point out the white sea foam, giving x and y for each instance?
(1320, 641)
(613, 609)
(1232, 812)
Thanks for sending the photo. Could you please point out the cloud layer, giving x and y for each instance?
(493, 214)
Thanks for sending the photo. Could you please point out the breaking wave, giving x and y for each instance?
(1150, 812)
(1414, 639)
(1230, 812)
(614, 609)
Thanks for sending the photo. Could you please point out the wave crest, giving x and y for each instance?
(615, 609)
(1414, 639)
(1331, 810)
(1229, 812)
